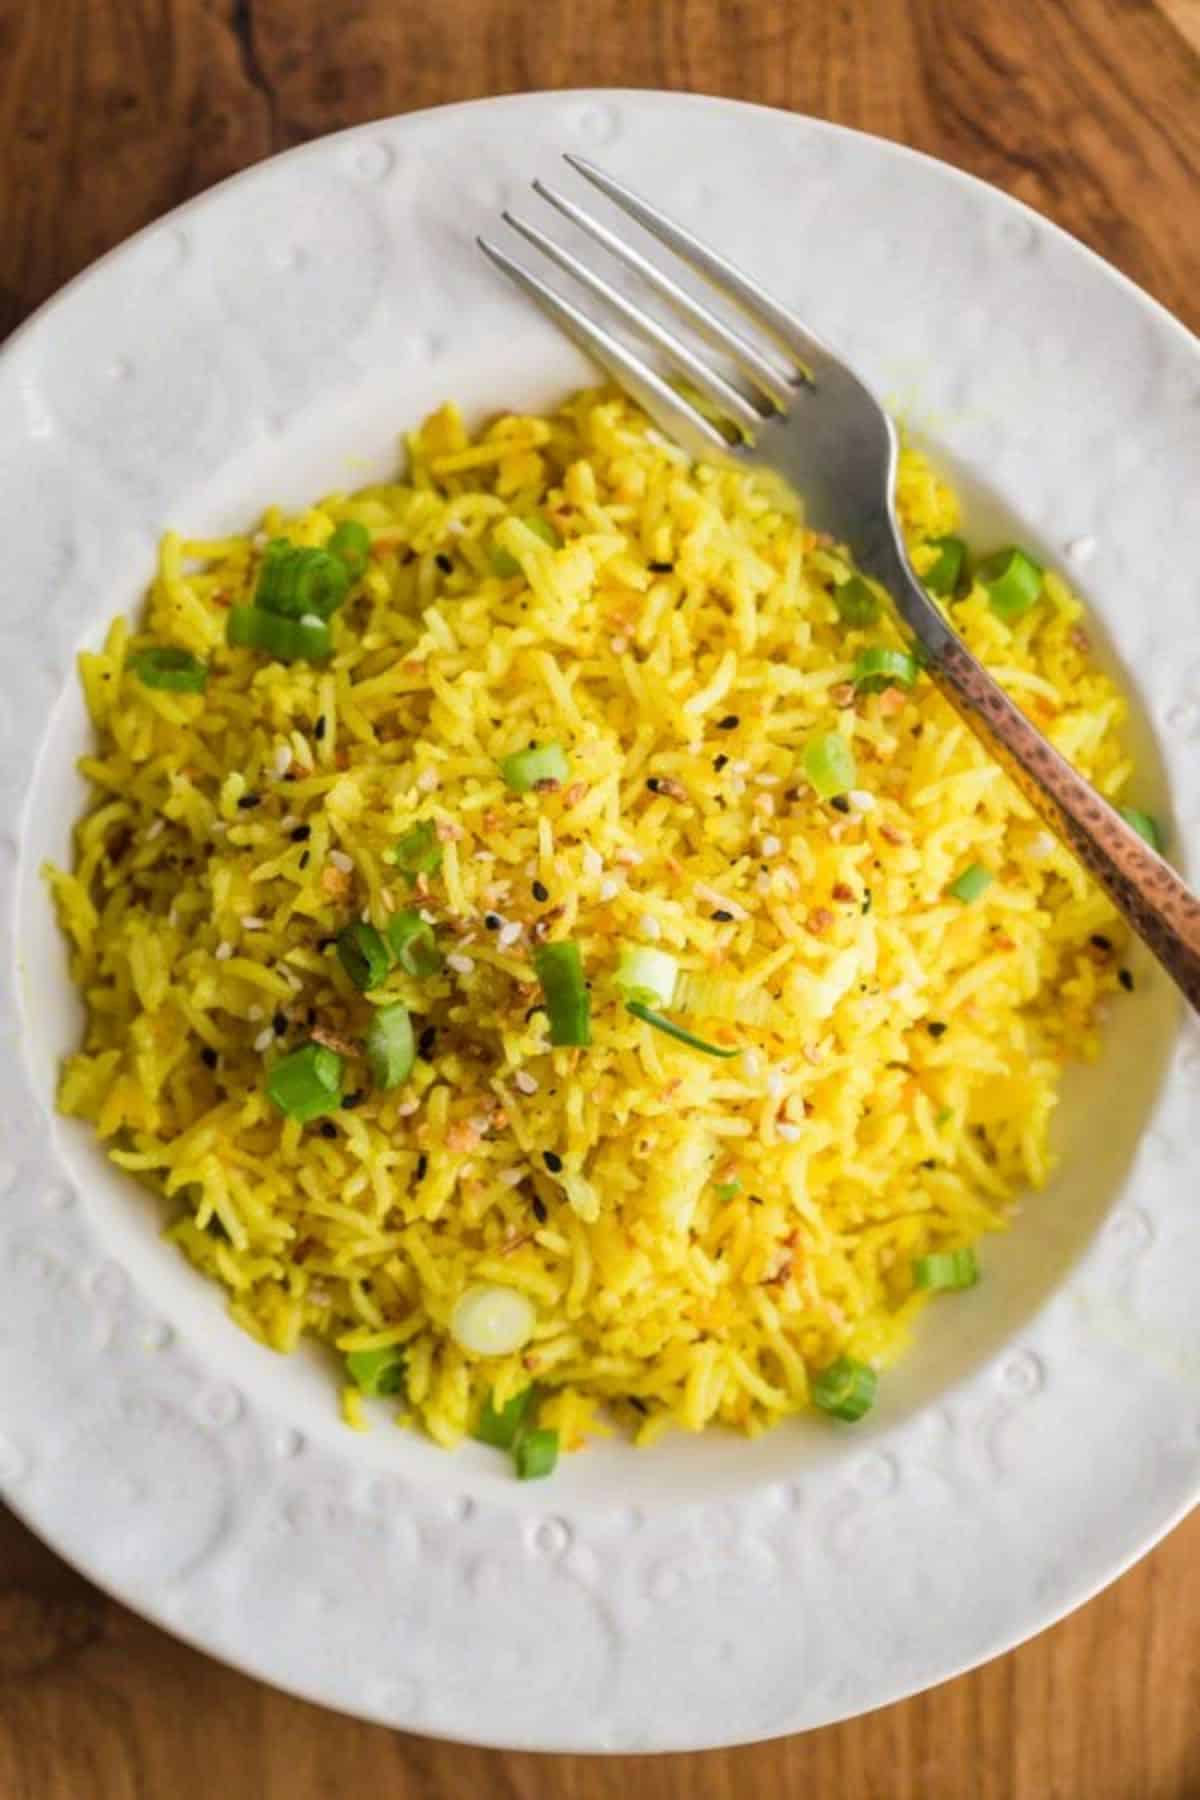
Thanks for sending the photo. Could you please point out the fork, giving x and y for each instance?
(795, 408)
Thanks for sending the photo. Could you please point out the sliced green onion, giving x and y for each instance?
(829, 764)
(351, 544)
(536, 1455)
(973, 881)
(364, 954)
(377, 1372)
(881, 667)
(175, 671)
(857, 604)
(505, 564)
(502, 1429)
(526, 768)
(287, 640)
(1013, 581)
(727, 1190)
(846, 1388)
(391, 1046)
(946, 1269)
(1144, 824)
(492, 1321)
(418, 852)
(307, 1083)
(943, 576)
(413, 943)
(682, 1036)
(559, 968)
(646, 974)
(294, 581)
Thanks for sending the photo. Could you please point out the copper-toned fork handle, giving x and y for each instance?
(1145, 889)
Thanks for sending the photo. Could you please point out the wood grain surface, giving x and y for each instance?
(112, 111)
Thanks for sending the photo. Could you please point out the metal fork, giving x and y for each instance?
(794, 407)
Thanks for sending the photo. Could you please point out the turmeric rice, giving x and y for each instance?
(895, 971)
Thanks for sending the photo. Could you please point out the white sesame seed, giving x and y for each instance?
(775, 1084)
(861, 800)
(249, 922)
(264, 1040)
(1081, 550)
(649, 927)
(511, 1177)
(628, 857)
(427, 780)
(156, 830)
(766, 780)
(341, 861)
(771, 846)
(762, 882)
(618, 645)
(284, 757)
(223, 952)
(593, 862)
(290, 823)
(455, 527)
(526, 1082)
(739, 767)
(218, 828)
(479, 1125)
(1042, 846)
(462, 965)
(407, 1108)
(609, 889)
(789, 1133)
(752, 1063)
(430, 918)
(254, 1014)
(508, 934)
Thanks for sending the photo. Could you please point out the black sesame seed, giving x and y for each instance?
(723, 916)
(541, 892)
(661, 568)
(868, 900)
(208, 1057)
(492, 921)
(553, 1161)
(301, 834)
(1126, 980)
(305, 858)
(248, 802)
(539, 1209)
(426, 1041)
(719, 762)
(422, 1166)
(654, 784)
(326, 943)
(756, 1200)
(319, 728)
(443, 562)
(937, 1028)
(840, 803)
(929, 1163)
(279, 1024)
(327, 1128)
(350, 1101)
(729, 723)
(1100, 941)
(310, 1017)
(639, 1405)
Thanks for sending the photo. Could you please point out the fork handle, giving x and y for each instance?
(1161, 909)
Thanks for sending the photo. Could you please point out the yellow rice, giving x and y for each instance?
(682, 597)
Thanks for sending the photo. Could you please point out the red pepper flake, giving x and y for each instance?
(892, 835)
(575, 793)
(891, 701)
(1002, 941)
(819, 920)
(843, 694)
(842, 892)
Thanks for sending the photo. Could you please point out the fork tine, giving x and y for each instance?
(710, 383)
(782, 325)
(669, 410)
(773, 381)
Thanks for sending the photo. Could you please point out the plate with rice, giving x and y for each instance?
(580, 1171)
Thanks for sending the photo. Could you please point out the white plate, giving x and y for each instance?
(270, 340)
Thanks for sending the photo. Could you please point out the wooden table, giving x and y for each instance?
(112, 111)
